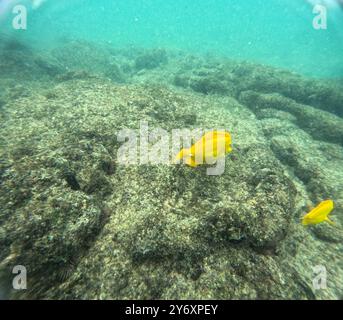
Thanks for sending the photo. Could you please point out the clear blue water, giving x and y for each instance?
(274, 32)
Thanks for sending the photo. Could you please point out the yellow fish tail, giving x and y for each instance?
(305, 222)
(330, 221)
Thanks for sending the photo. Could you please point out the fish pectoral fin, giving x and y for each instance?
(330, 221)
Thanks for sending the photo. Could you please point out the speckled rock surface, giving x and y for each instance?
(86, 226)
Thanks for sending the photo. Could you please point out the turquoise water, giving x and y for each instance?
(274, 32)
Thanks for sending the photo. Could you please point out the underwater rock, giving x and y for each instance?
(315, 164)
(320, 124)
(181, 80)
(326, 233)
(108, 166)
(151, 60)
(98, 183)
(59, 236)
(82, 59)
(17, 58)
(47, 67)
(18, 91)
(158, 231)
(13, 44)
(187, 119)
(208, 85)
(289, 154)
(319, 184)
(272, 204)
(79, 54)
(71, 180)
(115, 73)
(51, 94)
(266, 79)
(275, 114)
(73, 75)
(207, 81)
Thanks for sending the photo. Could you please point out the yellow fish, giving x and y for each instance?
(319, 214)
(208, 149)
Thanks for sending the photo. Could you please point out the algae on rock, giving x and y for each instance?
(88, 227)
